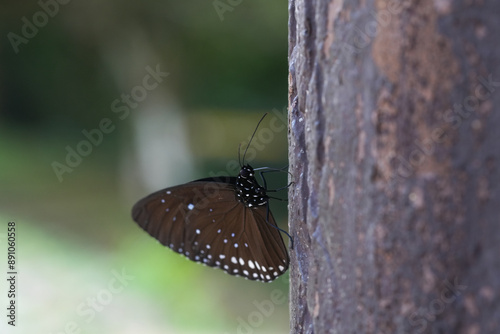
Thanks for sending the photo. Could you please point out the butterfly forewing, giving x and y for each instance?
(204, 221)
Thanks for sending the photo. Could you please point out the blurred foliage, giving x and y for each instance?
(223, 75)
(60, 77)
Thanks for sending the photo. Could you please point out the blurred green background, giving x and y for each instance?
(67, 68)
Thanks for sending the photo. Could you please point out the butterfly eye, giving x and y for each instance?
(246, 172)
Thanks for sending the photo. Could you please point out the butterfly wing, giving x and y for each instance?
(267, 257)
(204, 221)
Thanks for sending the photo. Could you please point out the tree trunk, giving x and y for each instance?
(394, 151)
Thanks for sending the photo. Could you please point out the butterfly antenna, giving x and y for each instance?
(251, 138)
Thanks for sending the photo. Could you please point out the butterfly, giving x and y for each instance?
(222, 222)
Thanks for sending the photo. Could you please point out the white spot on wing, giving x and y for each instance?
(222, 256)
(190, 206)
(242, 262)
(233, 260)
(198, 231)
(250, 264)
(281, 268)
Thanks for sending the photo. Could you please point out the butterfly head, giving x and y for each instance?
(246, 172)
(248, 190)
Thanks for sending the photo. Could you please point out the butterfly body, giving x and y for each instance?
(221, 222)
(249, 192)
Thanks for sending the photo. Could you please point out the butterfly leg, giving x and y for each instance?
(263, 170)
(279, 189)
(277, 227)
(278, 199)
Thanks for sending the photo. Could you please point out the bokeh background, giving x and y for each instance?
(84, 266)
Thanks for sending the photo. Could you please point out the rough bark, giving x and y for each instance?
(394, 151)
